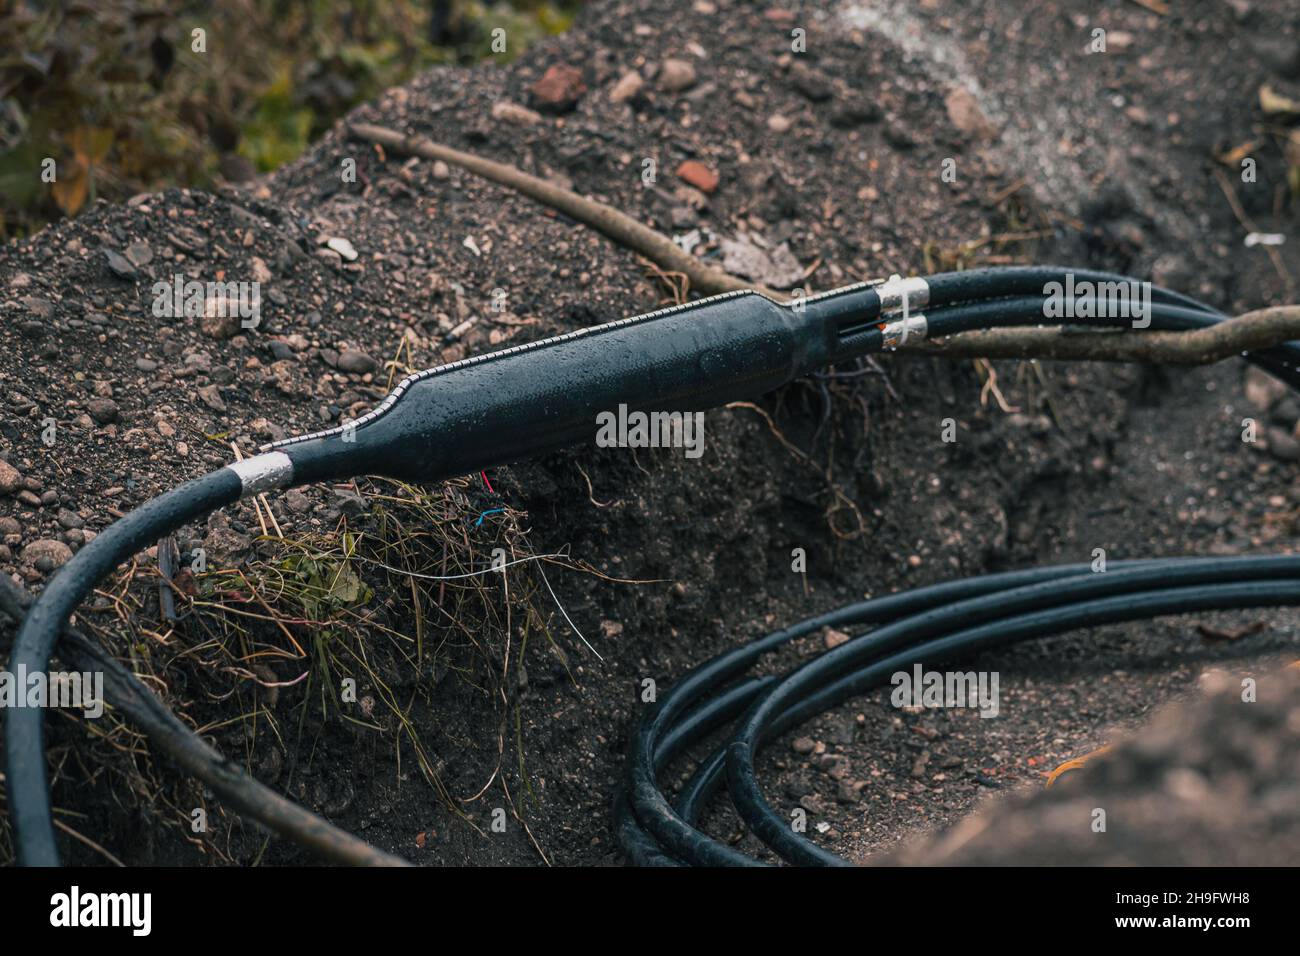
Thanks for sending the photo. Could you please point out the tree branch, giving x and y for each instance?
(1250, 332)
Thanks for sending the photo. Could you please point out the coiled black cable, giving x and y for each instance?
(1003, 608)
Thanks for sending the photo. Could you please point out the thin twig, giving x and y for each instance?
(617, 225)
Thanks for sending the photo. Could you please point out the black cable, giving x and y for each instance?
(679, 837)
(1062, 599)
(529, 399)
(29, 797)
(977, 285)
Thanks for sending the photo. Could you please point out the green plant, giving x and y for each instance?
(127, 96)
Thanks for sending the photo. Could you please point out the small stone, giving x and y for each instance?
(342, 247)
(226, 547)
(261, 271)
(441, 170)
(120, 266)
(777, 267)
(813, 85)
(1263, 390)
(835, 638)
(210, 395)
(676, 75)
(628, 87)
(833, 765)
(349, 503)
(297, 502)
(220, 319)
(515, 114)
(103, 410)
(856, 112)
(964, 113)
(778, 123)
(146, 365)
(698, 175)
(356, 362)
(1282, 446)
(42, 309)
(10, 478)
(559, 89)
(812, 803)
(139, 254)
(897, 135)
(1138, 115)
(803, 745)
(46, 555)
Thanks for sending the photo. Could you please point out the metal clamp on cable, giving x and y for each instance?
(898, 296)
(897, 332)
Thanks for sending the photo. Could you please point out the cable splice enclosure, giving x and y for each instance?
(458, 418)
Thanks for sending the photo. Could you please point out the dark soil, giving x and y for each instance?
(1209, 782)
(1106, 161)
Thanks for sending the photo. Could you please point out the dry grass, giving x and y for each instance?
(394, 600)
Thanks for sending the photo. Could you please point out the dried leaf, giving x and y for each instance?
(1234, 156)
(1273, 102)
(90, 146)
(1211, 633)
(72, 187)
